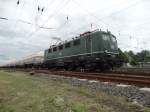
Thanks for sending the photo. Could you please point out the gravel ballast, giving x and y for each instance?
(132, 93)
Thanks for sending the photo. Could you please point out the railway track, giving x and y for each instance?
(106, 77)
(131, 79)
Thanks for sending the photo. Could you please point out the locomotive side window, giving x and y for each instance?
(55, 49)
(49, 50)
(76, 42)
(60, 47)
(67, 45)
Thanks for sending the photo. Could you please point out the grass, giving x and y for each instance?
(20, 92)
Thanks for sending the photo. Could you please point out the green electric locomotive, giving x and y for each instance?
(90, 50)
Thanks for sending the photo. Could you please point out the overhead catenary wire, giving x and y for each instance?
(132, 39)
(61, 26)
(67, 23)
(89, 13)
(37, 29)
(101, 19)
(123, 9)
(45, 28)
(13, 26)
(24, 22)
(54, 14)
(3, 18)
(45, 8)
(19, 2)
(145, 22)
(79, 30)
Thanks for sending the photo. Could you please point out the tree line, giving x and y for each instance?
(134, 58)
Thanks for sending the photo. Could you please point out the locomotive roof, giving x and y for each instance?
(83, 35)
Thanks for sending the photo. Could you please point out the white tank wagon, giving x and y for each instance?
(34, 60)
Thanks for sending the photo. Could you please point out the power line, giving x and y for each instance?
(56, 12)
(101, 19)
(44, 8)
(3, 18)
(123, 9)
(89, 13)
(25, 22)
(143, 23)
(50, 3)
(19, 13)
(109, 15)
(38, 28)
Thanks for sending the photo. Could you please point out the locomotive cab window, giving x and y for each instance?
(76, 42)
(105, 37)
(54, 49)
(67, 45)
(60, 47)
(49, 50)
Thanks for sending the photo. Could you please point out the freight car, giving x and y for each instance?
(31, 61)
(91, 50)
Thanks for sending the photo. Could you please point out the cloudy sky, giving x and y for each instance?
(28, 30)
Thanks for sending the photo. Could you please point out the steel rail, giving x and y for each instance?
(116, 78)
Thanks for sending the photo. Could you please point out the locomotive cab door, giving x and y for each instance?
(88, 44)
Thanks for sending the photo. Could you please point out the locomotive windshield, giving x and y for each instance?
(110, 42)
(113, 43)
(113, 39)
(105, 37)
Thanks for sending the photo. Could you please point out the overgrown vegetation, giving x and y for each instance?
(134, 58)
(20, 92)
(123, 56)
